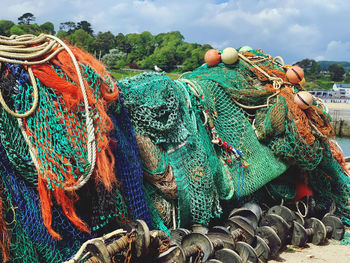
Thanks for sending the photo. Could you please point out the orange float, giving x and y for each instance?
(212, 57)
(295, 74)
(302, 82)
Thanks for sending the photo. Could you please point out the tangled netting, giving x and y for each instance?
(47, 196)
(30, 240)
(226, 131)
(94, 155)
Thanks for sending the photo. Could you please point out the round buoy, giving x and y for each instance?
(302, 82)
(212, 57)
(229, 55)
(303, 99)
(245, 49)
(295, 74)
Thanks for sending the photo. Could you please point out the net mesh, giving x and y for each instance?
(253, 132)
(30, 239)
(170, 152)
(128, 166)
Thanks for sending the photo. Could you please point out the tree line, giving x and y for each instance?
(312, 70)
(168, 51)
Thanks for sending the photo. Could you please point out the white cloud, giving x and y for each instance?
(337, 50)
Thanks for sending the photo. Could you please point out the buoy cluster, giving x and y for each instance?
(228, 56)
(294, 74)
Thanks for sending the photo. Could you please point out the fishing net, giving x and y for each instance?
(253, 131)
(55, 135)
(86, 157)
(128, 166)
(30, 239)
(167, 123)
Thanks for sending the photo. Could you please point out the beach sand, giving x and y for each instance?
(332, 252)
(338, 106)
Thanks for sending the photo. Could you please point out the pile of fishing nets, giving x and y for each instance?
(82, 155)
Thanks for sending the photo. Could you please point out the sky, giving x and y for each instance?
(292, 29)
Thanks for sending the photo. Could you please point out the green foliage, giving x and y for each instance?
(142, 45)
(310, 66)
(164, 57)
(62, 34)
(82, 39)
(48, 28)
(168, 51)
(22, 29)
(318, 82)
(69, 27)
(86, 26)
(5, 26)
(26, 19)
(115, 58)
(104, 42)
(122, 44)
(196, 59)
(325, 64)
(337, 72)
(121, 74)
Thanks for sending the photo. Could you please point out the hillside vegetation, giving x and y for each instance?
(168, 51)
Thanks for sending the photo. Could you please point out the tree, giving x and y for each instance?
(62, 34)
(175, 37)
(82, 39)
(196, 59)
(86, 26)
(165, 57)
(337, 72)
(48, 28)
(310, 66)
(68, 26)
(122, 44)
(5, 26)
(142, 45)
(22, 29)
(26, 19)
(115, 58)
(17, 30)
(104, 42)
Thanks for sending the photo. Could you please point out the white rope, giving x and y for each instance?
(189, 104)
(192, 86)
(35, 102)
(91, 144)
(19, 41)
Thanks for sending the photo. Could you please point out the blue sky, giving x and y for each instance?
(293, 29)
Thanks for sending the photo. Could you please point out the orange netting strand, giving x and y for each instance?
(320, 120)
(71, 97)
(4, 235)
(298, 116)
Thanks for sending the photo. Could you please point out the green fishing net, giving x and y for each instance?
(219, 141)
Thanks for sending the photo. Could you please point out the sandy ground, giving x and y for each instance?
(332, 252)
(338, 106)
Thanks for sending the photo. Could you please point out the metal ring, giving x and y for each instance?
(298, 210)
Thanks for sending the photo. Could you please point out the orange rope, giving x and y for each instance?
(4, 235)
(199, 255)
(128, 254)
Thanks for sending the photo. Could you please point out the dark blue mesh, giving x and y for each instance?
(29, 222)
(128, 164)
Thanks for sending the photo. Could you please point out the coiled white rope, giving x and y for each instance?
(16, 47)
